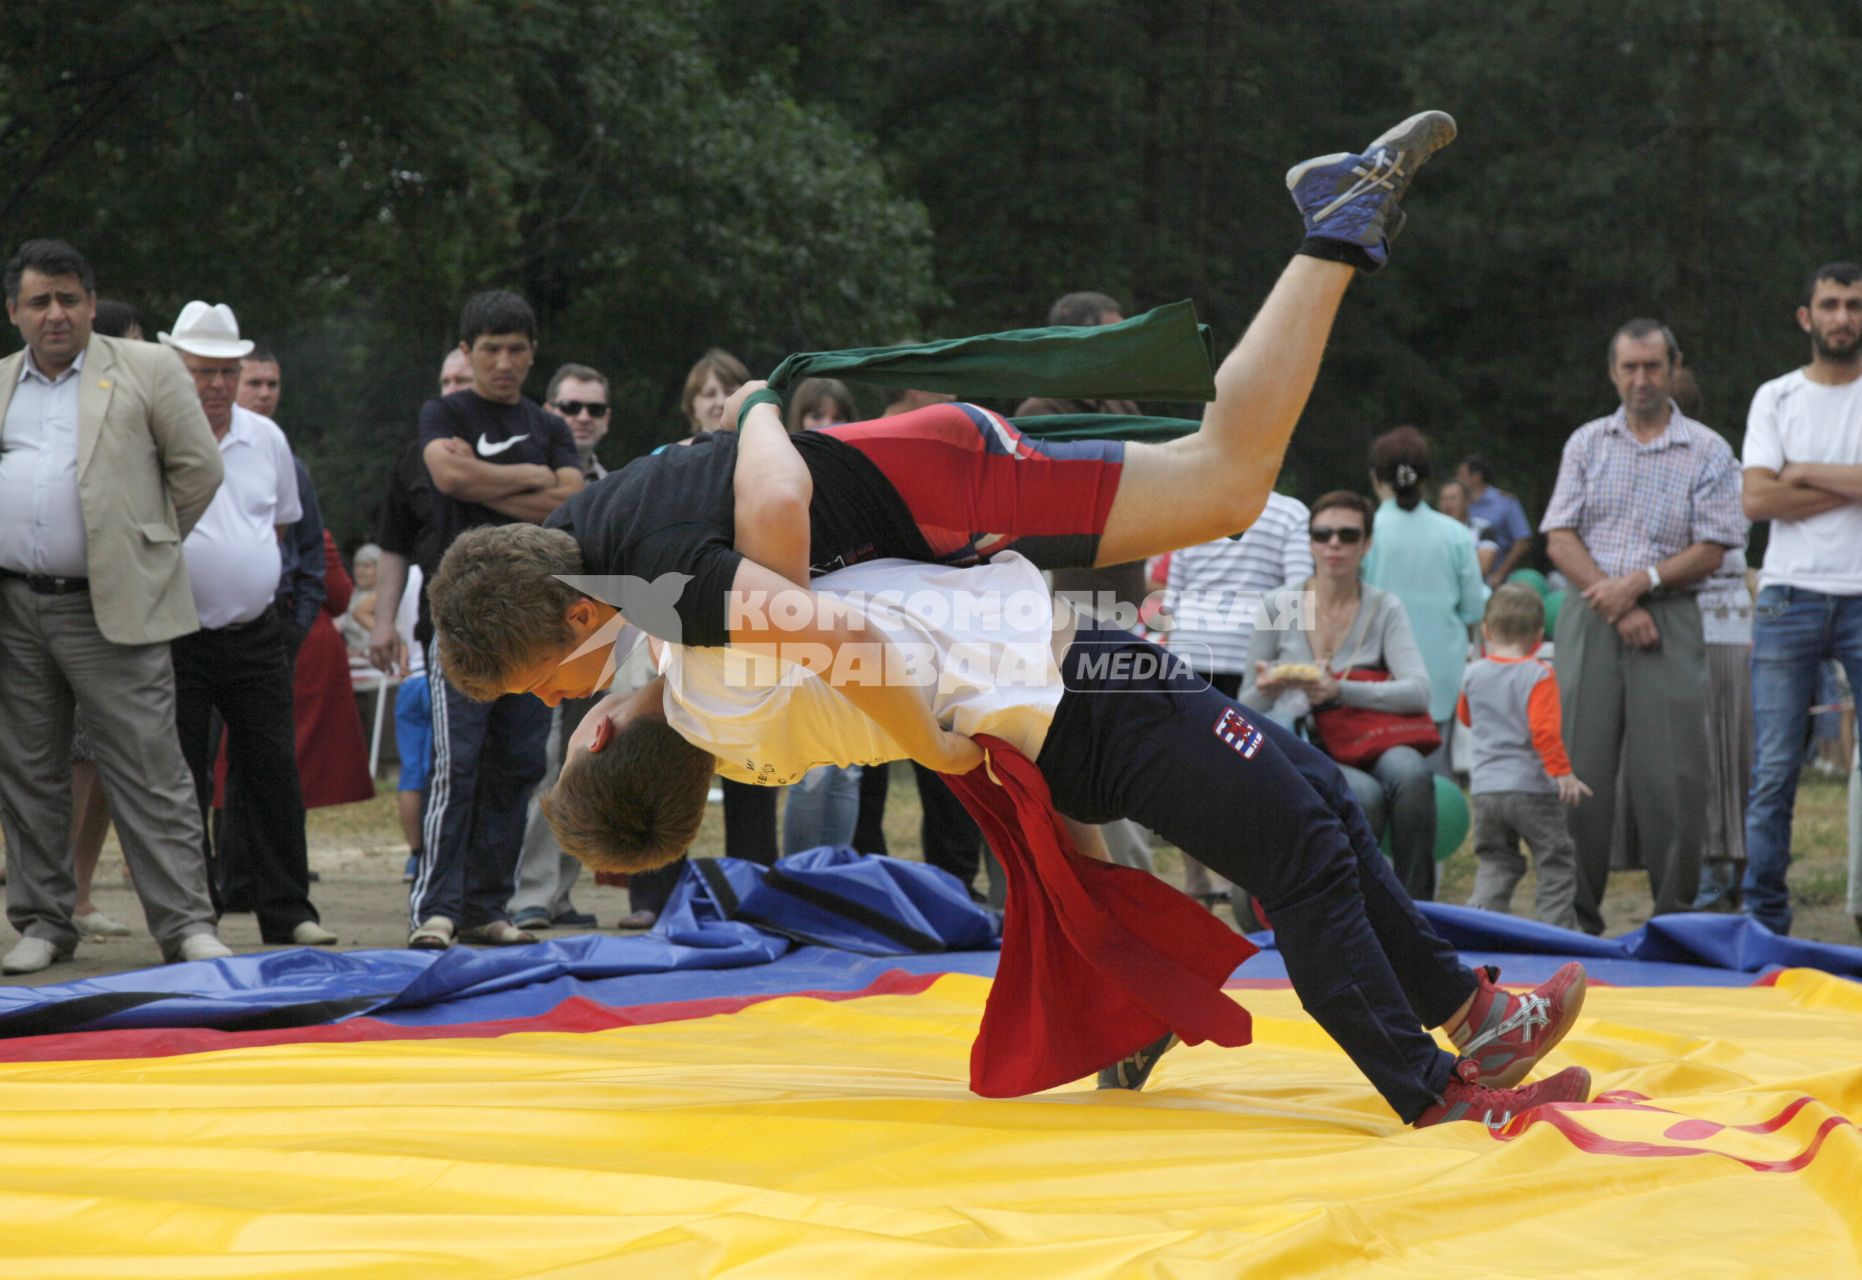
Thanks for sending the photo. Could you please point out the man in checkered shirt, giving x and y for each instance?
(1647, 505)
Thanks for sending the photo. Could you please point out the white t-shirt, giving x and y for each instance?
(233, 562)
(1796, 420)
(406, 614)
(980, 641)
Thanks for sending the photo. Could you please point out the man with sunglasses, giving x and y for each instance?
(545, 874)
(580, 394)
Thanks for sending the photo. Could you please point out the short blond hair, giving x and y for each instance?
(1515, 614)
(634, 805)
(497, 604)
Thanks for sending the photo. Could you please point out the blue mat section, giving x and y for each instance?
(1697, 950)
(729, 921)
(697, 954)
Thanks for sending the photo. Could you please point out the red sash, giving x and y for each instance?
(1097, 960)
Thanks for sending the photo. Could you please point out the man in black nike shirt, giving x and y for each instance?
(495, 458)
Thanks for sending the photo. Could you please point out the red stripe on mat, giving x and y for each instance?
(575, 1014)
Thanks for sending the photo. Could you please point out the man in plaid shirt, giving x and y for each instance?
(1647, 505)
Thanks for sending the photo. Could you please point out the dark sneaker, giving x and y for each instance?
(1466, 1097)
(1507, 1034)
(532, 918)
(1132, 1070)
(573, 919)
(1357, 199)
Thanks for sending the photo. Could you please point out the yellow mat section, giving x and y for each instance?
(802, 1139)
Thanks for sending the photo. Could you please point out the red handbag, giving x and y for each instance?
(1358, 735)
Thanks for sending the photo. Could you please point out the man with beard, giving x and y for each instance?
(1647, 504)
(1803, 473)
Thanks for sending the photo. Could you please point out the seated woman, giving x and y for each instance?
(1345, 625)
(358, 620)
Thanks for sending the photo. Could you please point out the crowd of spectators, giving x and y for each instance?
(182, 639)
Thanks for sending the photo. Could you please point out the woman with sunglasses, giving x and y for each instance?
(1310, 634)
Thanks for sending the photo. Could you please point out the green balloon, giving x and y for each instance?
(1532, 578)
(1554, 605)
(1453, 818)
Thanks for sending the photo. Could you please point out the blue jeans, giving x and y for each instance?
(1398, 793)
(821, 809)
(1793, 632)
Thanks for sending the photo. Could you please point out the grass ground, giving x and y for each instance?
(1819, 874)
(359, 852)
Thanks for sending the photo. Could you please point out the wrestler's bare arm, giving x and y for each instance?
(772, 488)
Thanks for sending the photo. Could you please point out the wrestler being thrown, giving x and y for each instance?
(1140, 739)
(951, 483)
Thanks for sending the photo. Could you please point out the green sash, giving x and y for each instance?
(1163, 354)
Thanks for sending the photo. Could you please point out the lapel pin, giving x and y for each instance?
(104, 383)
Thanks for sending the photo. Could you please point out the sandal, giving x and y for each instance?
(497, 933)
(434, 934)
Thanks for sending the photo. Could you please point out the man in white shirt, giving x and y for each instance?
(105, 463)
(1803, 472)
(239, 662)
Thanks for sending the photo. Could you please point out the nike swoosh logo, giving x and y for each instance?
(486, 449)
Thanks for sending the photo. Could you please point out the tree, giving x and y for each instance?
(345, 173)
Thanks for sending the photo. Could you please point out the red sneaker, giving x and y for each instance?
(1507, 1034)
(1466, 1098)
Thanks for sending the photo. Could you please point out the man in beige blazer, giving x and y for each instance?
(106, 462)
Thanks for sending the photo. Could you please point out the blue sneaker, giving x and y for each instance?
(1131, 1071)
(1357, 199)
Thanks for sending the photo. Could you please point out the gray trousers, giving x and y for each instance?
(1644, 711)
(52, 658)
(1129, 846)
(1501, 820)
(545, 874)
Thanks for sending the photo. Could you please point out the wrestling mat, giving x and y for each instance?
(817, 1121)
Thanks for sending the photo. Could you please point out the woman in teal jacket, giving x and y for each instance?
(1428, 561)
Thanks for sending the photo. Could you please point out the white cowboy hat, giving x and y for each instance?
(207, 330)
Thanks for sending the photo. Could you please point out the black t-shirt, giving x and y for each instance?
(407, 527)
(501, 434)
(673, 512)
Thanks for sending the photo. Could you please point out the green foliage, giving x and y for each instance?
(344, 173)
(666, 175)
